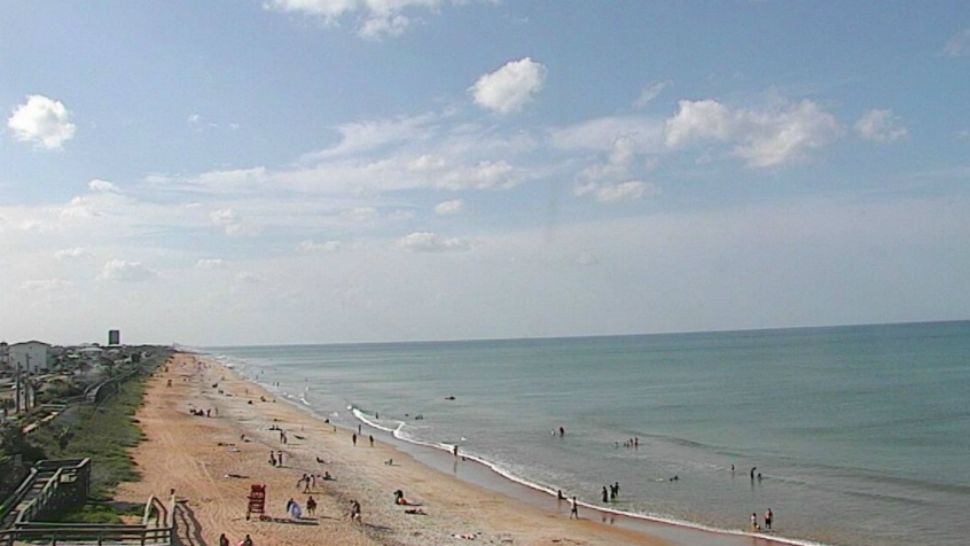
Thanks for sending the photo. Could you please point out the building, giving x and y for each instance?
(31, 356)
(114, 337)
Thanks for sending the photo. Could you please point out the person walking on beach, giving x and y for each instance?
(573, 508)
(371, 440)
(311, 505)
(354, 439)
(246, 541)
(272, 458)
(769, 516)
(223, 540)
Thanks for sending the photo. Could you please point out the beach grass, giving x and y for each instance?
(104, 433)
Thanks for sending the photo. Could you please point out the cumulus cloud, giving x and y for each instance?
(650, 92)
(124, 271)
(310, 246)
(377, 18)
(959, 44)
(447, 208)
(880, 126)
(509, 88)
(699, 120)
(211, 263)
(42, 121)
(764, 138)
(231, 223)
(427, 241)
(72, 253)
(102, 186)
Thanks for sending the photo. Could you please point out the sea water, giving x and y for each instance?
(861, 434)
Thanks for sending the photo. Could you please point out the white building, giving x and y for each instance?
(31, 356)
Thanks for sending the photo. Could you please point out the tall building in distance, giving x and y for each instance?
(114, 337)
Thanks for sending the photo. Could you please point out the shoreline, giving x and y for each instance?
(210, 463)
(490, 476)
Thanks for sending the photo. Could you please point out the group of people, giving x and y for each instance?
(309, 481)
(613, 493)
(275, 458)
(224, 541)
(630, 442)
(769, 517)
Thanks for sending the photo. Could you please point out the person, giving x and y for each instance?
(573, 508)
(279, 459)
(562, 431)
(248, 541)
(311, 505)
(355, 515)
(606, 497)
(454, 450)
(223, 540)
(372, 440)
(559, 495)
(753, 468)
(754, 522)
(289, 504)
(272, 459)
(354, 439)
(769, 516)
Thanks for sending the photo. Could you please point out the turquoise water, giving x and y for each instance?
(862, 434)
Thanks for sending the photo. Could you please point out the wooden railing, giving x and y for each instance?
(156, 529)
(56, 496)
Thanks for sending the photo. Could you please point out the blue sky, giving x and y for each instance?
(364, 170)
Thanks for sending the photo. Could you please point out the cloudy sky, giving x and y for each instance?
(282, 171)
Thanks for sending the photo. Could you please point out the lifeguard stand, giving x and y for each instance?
(257, 501)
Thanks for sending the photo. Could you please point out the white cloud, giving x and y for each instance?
(46, 285)
(699, 120)
(213, 182)
(601, 134)
(43, 121)
(310, 246)
(124, 271)
(880, 126)
(426, 241)
(211, 263)
(447, 208)
(231, 223)
(650, 92)
(765, 138)
(72, 253)
(102, 186)
(364, 136)
(377, 18)
(959, 44)
(510, 87)
(609, 192)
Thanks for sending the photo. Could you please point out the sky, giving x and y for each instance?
(318, 171)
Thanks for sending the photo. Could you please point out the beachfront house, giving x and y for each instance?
(31, 356)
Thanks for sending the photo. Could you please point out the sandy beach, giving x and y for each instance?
(211, 462)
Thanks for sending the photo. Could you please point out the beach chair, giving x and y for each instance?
(257, 501)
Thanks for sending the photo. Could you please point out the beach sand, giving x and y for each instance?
(183, 452)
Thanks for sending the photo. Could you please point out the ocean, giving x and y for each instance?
(861, 434)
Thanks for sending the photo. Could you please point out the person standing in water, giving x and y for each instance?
(606, 497)
(769, 516)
